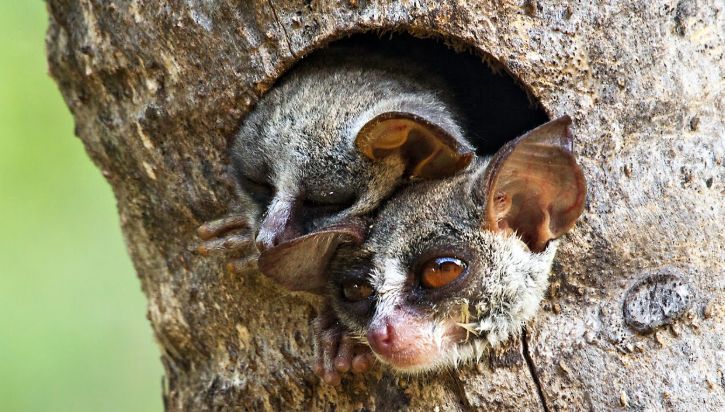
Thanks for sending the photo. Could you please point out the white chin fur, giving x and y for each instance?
(452, 358)
(449, 354)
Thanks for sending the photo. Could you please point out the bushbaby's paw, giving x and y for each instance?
(337, 351)
(228, 235)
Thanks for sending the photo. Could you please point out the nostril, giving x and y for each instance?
(388, 339)
(378, 338)
(381, 339)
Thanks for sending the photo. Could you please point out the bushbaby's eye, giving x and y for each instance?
(261, 193)
(441, 271)
(356, 290)
(328, 199)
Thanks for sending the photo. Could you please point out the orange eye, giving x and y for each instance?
(441, 271)
(354, 290)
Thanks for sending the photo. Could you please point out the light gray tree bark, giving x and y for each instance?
(157, 89)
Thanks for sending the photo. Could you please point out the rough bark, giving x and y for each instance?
(158, 88)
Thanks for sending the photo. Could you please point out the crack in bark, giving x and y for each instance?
(281, 26)
(460, 392)
(532, 369)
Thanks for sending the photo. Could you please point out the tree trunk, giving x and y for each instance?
(157, 90)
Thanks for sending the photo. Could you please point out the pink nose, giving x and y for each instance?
(382, 339)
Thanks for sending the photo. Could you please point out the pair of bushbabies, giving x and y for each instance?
(360, 185)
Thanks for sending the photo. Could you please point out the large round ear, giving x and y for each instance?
(429, 150)
(533, 185)
(301, 263)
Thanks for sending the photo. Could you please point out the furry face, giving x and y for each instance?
(414, 327)
(451, 268)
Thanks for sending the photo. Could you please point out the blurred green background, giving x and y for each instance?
(73, 328)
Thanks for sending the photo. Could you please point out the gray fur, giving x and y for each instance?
(300, 137)
(505, 284)
(300, 141)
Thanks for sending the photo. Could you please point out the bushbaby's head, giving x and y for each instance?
(431, 286)
(335, 138)
(451, 268)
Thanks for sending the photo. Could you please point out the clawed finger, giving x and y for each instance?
(337, 351)
(217, 227)
(343, 359)
(329, 342)
(363, 360)
(332, 377)
(229, 243)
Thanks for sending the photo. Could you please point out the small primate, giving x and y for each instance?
(450, 268)
(327, 145)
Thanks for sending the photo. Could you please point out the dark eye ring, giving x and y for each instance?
(356, 290)
(256, 186)
(259, 192)
(322, 202)
(441, 271)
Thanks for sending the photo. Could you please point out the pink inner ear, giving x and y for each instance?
(301, 263)
(542, 182)
(530, 220)
(428, 150)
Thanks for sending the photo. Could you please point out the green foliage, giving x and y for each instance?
(73, 330)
